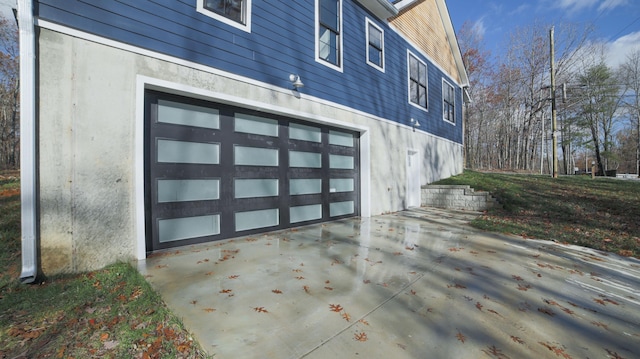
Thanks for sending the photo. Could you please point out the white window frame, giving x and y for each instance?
(340, 40)
(368, 22)
(244, 27)
(446, 84)
(409, 55)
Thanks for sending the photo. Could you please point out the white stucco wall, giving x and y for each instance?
(90, 136)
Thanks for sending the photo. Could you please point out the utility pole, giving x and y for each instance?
(554, 135)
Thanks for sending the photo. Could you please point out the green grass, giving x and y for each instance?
(600, 213)
(110, 313)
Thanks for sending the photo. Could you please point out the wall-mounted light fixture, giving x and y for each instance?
(295, 81)
(414, 124)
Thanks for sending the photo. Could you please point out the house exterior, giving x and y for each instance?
(152, 124)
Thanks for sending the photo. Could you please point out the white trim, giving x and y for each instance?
(212, 14)
(317, 36)
(454, 102)
(368, 22)
(400, 5)
(144, 82)
(424, 54)
(28, 143)
(409, 55)
(178, 61)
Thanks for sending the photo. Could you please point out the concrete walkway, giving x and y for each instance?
(415, 284)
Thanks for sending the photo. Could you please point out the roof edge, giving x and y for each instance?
(383, 9)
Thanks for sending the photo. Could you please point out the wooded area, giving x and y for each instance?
(9, 96)
(508, 122)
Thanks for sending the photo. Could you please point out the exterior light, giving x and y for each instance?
(295, 81)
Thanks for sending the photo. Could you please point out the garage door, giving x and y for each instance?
(215, 171)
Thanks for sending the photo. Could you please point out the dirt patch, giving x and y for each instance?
(10, 192)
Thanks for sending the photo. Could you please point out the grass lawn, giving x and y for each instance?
(110, 313)
(601, 213)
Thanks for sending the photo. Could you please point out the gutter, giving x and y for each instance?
(28, 160)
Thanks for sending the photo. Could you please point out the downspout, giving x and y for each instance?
(28, 160)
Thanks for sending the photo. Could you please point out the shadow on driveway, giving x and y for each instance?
(415, 284)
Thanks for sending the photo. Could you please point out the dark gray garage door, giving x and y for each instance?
(215, 171)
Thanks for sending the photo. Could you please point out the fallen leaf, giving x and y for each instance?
(300, 278)
(306, 289)
(346, 316)
(209, 310)
(260, 310)
(108, 345)
(479, 306)
(194, 302)
(361, 337)
(599, 301)
(328, 288)
(461, 337)
(517, 340)
(363, 322)
(517, 277)
(235, 276)
(547, 311)
(335, 307)
(225, 291)
(277, 291)
(104, 336)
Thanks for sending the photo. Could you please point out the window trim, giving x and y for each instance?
(212, 14)
(426, 68)
(447, 83)
(367, 39)
(338, 67)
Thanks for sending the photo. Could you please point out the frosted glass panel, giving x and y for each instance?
(254, 156)
(249, 188)
(256, 125)
(305, 213)
(305, 186)
(188, 152)
(188, 190)
(257, 219)
(188, 115)
(305, 159)
(340, 208)
(341, 185)
(190, 227)
(341, 162)
(305, 133)
(340, 138)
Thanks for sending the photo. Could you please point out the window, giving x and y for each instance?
(448, 102)
(329, 33)
(375, 45)
(417, 82)
(236, 13)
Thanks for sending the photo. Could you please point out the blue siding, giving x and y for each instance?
(281, 42)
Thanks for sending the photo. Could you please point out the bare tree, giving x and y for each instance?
(9, 95)
(630, 76)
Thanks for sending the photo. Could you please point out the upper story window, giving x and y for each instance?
(329, 33)
(448, 102)
(417, 82)
(236, 13)
(375, 45)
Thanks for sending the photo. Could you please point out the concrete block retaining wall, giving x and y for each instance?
(456, 197)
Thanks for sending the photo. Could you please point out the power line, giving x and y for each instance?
(626, 27)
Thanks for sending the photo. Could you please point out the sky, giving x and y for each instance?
(616, 22)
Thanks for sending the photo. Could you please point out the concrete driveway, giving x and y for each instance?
(415, 284)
